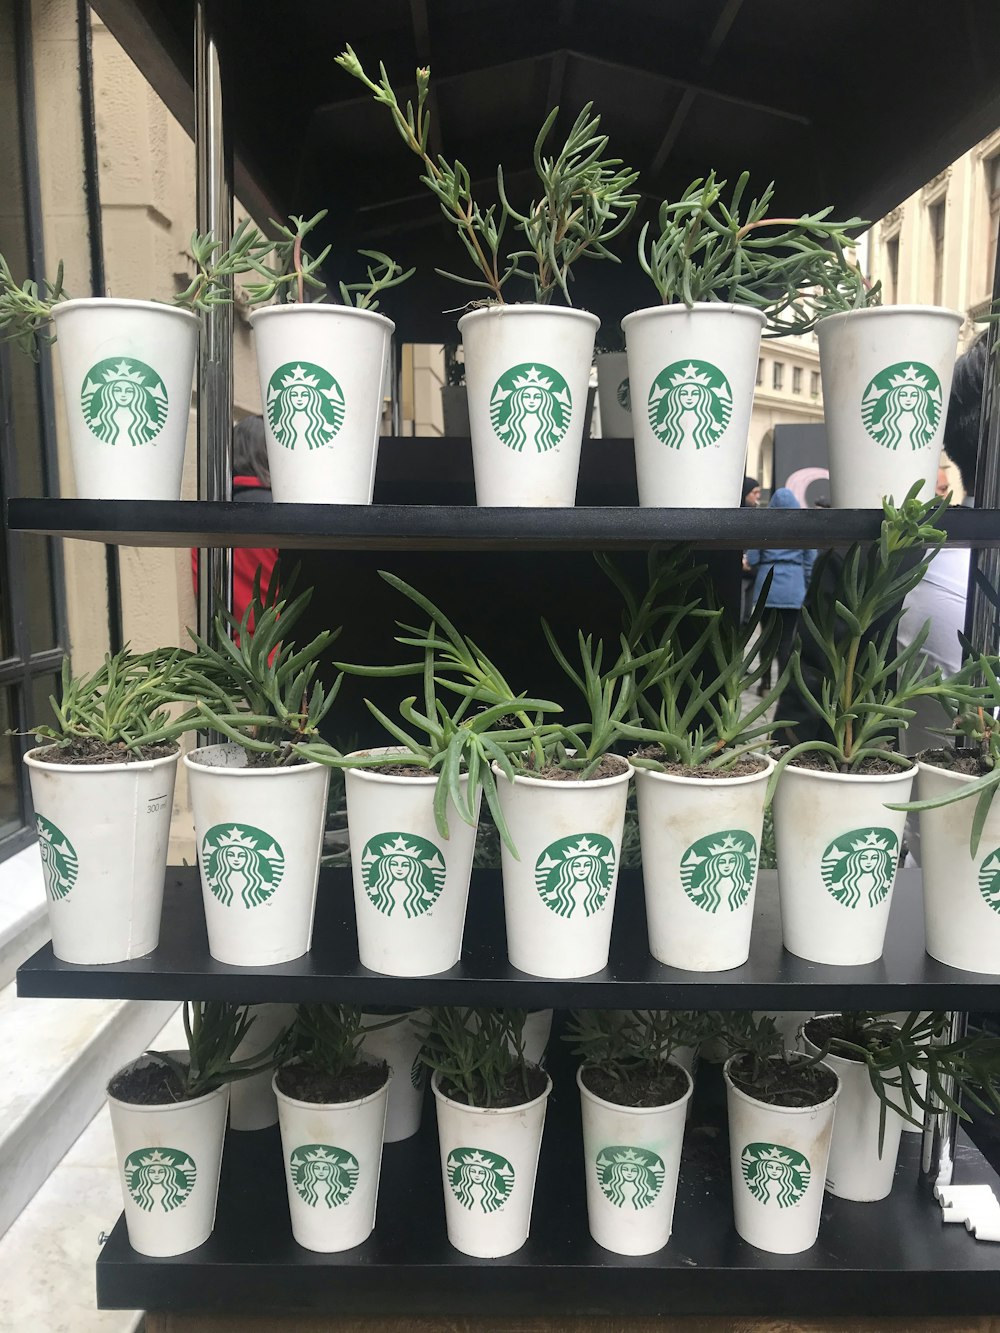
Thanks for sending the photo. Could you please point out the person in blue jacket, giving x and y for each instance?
(792, 571)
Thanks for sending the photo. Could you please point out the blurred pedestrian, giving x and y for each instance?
(792, 569)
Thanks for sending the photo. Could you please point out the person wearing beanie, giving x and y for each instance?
(751, 493)
(792, 571)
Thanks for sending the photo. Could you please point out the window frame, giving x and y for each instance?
(778, 376)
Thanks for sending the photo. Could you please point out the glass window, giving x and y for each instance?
(760, 370)
(796, 379)
(11, 811)
(814, 383)
(935, 219)
(777, 375)
(892, 270)
(993, 194)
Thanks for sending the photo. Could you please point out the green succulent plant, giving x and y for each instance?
(478, 1053)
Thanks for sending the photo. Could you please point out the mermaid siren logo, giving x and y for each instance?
(531, 405)
(989, 880)
(60, 864)
(241, 862)
(305, 406)
(124, 402)
(774, 1174)
(480, 1180)
(720, 869)
(400, 870)
(576, 873)
(860, 866)
(630, 1177)
(160, 1178)
(323, 1175)
(902, 406)
(690, 404)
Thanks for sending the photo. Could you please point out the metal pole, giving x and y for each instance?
(937, 1158)
(215, 367)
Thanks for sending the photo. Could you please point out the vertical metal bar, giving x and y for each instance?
(937, 1158)
(215, 368)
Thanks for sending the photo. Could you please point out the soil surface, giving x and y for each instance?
(785, 1083)
(94, 751)
(512, 1093)
(821, 1030)
(742, 768)
(401, 771)
(148, 1085)
(821, 763)
(968, 762)
(307, 1084)
(656, 1085)
(261, 759)
(611, 766)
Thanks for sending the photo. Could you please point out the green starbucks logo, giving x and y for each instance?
(305, 405)
(902, 406)
(624, 396)
(60, 865)
(576, 873)
(123, 401)
(480, 1180)
(690, 403)
(630, 1177)
(989, 880)
(531, 406)
(720, 869)
(241, 863)
(160, 1178)
(860, 866)
(402, 872)
(774, 1174)
(323, 1176)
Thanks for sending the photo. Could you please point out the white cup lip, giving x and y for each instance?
(677, 308)
(568, 784)
(395, 779)
(134, 766)
(496, 1111)
(144, 1108)
(878, 779)
(890, 311)
(636, 1110)
(120, 303)
(811, 1048)
(780, 1110)
(380, 1091)
(520, 309)
(679, 778)
(960, 779)
(319, 307)
(192, 761)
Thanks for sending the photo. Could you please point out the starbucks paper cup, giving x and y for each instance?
(251, 1100)
(614, 395)
(399, 1046)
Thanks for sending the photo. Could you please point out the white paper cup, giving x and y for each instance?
(259, 834)
(251, 1100)
(778, 1157)
(838, 848)
(489, 1158)
(333, 1159)
(322, 372)
(527, 368)
(700, 840)
(692, 375)
(559, 896)
(411, 885)
(399, 1046)
(614, 393)
(103, 831)
(961, 891)
(886, 380)
(632, 1155)
(169, 1158)
(127, 370)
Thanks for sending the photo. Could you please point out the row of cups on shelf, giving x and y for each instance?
(104, 830)
(128, 366)
(782, 1158)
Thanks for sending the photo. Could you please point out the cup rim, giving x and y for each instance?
(135, 766)
(145, 1108)
(380, 1091)
(637, 1110)
(721, 781)
(192, 761)
(489, 1111)
(678, 308)
(321, 307)
(120, 302)
(528, 308)
(780, 1110)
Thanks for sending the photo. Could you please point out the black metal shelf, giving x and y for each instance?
(896, 1256)
(431, 527)
(181, 968)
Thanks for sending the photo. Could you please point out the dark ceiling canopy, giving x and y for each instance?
(849, 103)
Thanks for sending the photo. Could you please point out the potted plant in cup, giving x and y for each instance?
(634, 1098)
(490, 1112)
(836, 831)
(527, 365)
(886, 380)
(259, 798)
(413, 857)
(331, 1109)
(168, 1114)
(701, 780)
(102, 786)
(127, 367)
(724, 273)
(781, 1114)
(321, 367)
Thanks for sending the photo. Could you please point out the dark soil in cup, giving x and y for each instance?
(611, 766)
(402, 771)
(90, 750)
(821, 1030)
(512, 1093)
(148, 1085)
(871, 767)
(742, 768)
(785, 1083)
(655, 1085)
(261, 759)
(306, 1084)
(968, 762)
